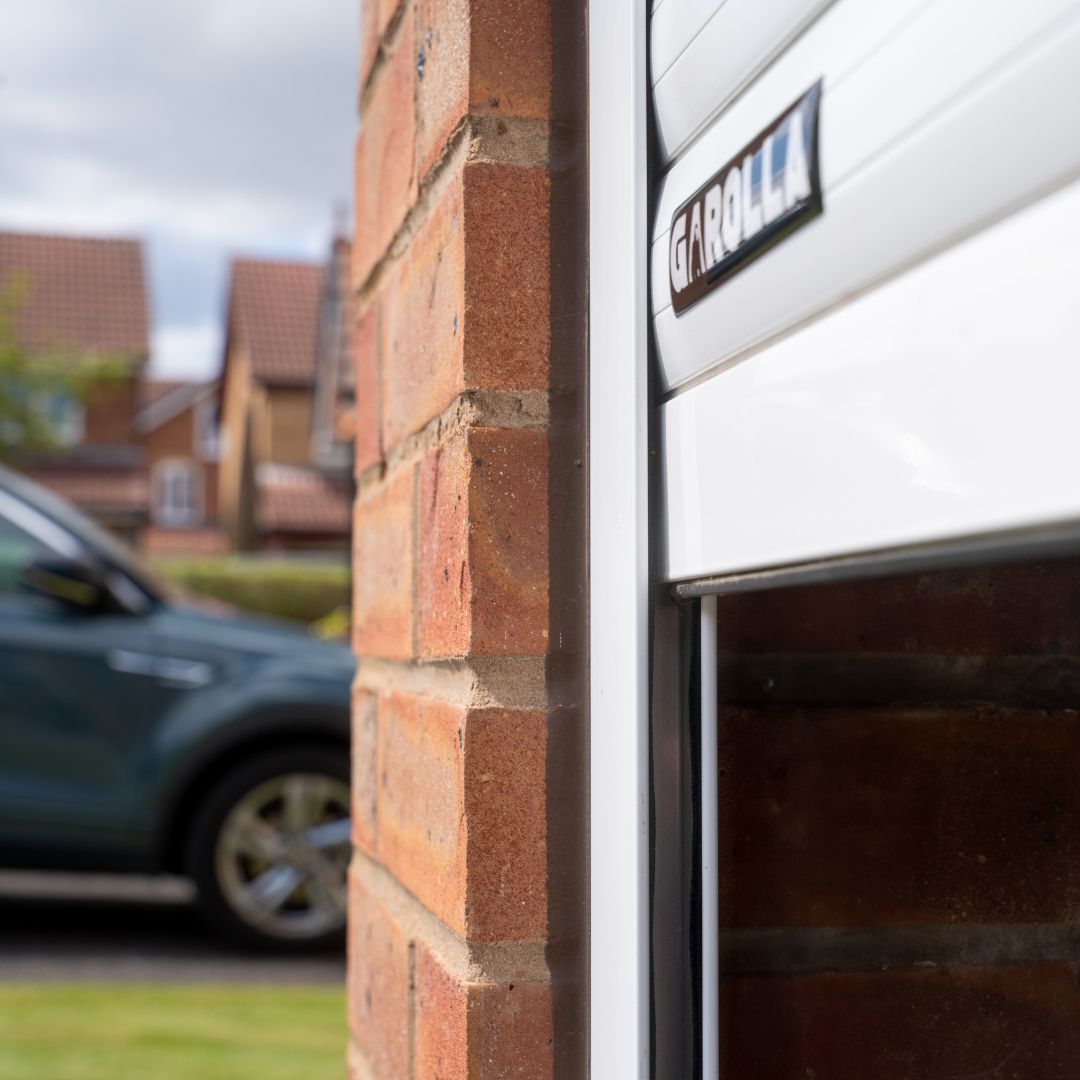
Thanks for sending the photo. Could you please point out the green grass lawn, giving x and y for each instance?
(107, 1032)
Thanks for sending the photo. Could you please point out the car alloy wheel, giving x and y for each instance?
(281, 856)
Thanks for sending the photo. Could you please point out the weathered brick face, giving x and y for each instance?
(383, 602)
(380, 983)
(424, 311)
(385, 157)
(483, 1031)
(450, 916)
(506, 284)
(483, 513)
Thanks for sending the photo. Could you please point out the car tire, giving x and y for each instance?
(269, 848)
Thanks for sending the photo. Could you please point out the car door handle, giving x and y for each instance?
(169, 670)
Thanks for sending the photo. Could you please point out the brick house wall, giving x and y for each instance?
(235, 482)
(467, 882)
(281, 424)
(109, 412)
(177, 439)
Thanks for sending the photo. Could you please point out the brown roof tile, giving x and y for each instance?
(295, 499)
(82, 293)
(275, 308)
(96, 490)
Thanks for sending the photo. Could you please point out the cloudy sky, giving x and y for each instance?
(207, 127)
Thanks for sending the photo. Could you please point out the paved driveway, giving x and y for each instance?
(75, 928)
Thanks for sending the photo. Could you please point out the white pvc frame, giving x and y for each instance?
(618, 542)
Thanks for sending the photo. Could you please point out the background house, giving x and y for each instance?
(284, 476)
(177, 425)
(260, 460)
(79, 299)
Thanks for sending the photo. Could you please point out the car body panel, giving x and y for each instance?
(108, 719)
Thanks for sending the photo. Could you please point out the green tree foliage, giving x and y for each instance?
(34, 386)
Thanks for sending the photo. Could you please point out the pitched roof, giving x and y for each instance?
(152, 390)
(296, 499)
(81, 293)
(274, 306)
(97, 490)
(160, 400)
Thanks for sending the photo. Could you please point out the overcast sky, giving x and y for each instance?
(207, 127)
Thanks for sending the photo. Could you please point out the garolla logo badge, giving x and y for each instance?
(757, 199)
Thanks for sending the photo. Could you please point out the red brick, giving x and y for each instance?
(383, 561)
(380, 984)
(385, 159)
(461, 813)
(368, 434)
(375, 16)
(444, 584)
(507, 288)
(510, 1032)
(508, 512)
(364, 751)
(387, 9)
(484, 1031)
(481, 322)
(441, 1021)
(357, 1066)
(834, 817)
(369, 39)
(490, 57)
(421, 831)
(1006, 1023)
(483, 543)
(424, 322)
(506, 815)
(442, 92)
(510, 69)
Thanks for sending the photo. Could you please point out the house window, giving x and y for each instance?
(177, 493)
(207, 442)
(66, 418)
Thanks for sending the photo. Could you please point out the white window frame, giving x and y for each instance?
(165, 472)
(618, 542)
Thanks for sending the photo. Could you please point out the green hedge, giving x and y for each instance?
(301, 589)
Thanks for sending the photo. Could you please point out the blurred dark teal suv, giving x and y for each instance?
(140, 734)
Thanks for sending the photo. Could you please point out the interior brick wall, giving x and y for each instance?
(899, 882)
(468, 548)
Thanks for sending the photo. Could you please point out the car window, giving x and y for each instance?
(82, 531)
(18, 549)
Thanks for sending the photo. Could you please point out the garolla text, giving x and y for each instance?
(756, 199)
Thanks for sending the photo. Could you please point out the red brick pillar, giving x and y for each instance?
(468, 549)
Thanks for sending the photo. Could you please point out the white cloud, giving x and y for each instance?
(263, 26)
(187, 353)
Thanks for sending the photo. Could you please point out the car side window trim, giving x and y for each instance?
(38, 526)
